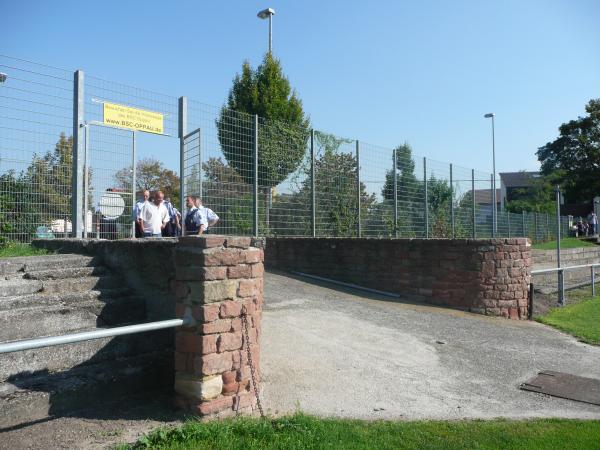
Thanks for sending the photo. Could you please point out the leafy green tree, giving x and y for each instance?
(539, 197)
(150, 174)
(283, 130)
(39, 194)
(574, 157)
(408, 187)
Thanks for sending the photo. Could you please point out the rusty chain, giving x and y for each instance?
(244, 318)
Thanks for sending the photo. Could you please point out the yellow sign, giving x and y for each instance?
(133, 118)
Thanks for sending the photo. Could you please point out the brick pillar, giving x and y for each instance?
(217, 279)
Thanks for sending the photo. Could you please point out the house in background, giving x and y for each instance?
(483, 203)
(514, 185)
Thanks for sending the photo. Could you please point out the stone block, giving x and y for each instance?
(198, 388)
(218, 326)
(215, 406)
(248, 288)
(202, 241)
(240, 271)
(223, 257)
(238, 242)
(213, 363)
(230, 309)
(212, 291)
(229, 342)
(254, 255)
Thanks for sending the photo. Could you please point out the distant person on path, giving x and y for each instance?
(154, 216)
(207, 214)
(139, 232)
(593, 223)
(194, 221)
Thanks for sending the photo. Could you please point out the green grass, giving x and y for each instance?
(301, 431)
(10, 249)
(581, 319)
(571, 242)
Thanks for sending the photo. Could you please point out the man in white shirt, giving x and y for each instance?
(136, 213)
(154, 216)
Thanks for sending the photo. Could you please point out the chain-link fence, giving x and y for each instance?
(261, 177)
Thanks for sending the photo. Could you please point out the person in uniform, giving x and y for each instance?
(195, 223)
(136, 214)
(208, 215)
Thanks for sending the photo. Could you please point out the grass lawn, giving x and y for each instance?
(571, 242)
(581, 319)
(306, 432)
(17, 249)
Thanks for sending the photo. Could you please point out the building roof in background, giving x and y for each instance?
(518, 179)
(484, 196)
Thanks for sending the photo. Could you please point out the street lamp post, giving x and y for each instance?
(494, 200)
(268, 14)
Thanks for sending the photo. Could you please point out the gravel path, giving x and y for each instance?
(338, 353)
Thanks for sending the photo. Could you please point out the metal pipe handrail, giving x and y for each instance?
(29, 344)
(562, 269)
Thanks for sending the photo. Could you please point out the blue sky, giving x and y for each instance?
(382, 72)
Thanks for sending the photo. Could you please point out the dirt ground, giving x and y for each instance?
(98, 429)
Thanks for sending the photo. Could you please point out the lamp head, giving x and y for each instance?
(488, 115)
(266, 13)
(3, 77)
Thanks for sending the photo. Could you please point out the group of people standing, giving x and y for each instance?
(157, 217)
(587, 228)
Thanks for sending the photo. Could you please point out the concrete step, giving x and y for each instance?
(15, 287)
(84, 388)
(59, 318)
(66, 299)
(80, 284)
(61, 357)
(10, 266)
(62, 273)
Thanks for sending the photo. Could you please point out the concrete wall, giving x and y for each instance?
(543, 259)
(217, 281)
(488, 276)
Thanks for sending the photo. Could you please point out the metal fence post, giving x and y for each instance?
(452, 204)
(507, 214)
(182, 131)
(395, 158)
(86, 178)
(523, 223)
(473, 201)
(313, 210)
(255, 203)
(358, 186)
(493, 206)
(547, 228)
(133, 181)
(561, 286)
(535, 224)
(78, 142)
(593, 281)
(426, 198)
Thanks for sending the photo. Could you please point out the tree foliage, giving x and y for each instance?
(539, 197)
(39, 194)
(574, 157)
(283, 129)
(150, 174)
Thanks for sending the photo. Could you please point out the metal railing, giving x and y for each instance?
(29, 344)
(560, 281)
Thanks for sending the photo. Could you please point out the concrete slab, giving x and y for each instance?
(337, 353)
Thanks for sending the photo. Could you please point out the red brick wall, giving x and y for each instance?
(218, 279)
(487, 276)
